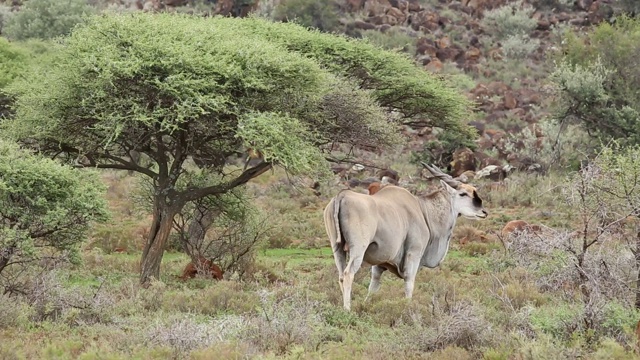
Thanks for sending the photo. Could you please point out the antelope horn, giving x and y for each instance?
(442, 176)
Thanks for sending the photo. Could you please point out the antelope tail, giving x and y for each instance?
(336, 217)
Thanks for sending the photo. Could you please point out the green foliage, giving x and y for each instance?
(177, 87)
(5, 15)
(508, 20)
(519, 46)
(558, 320)
(45, 206)
(281, 139)
(598, 81)
(15, 59)
(12, 62)
(629, 6)
(619, 319)
(619, 182)
(392, 39)
(216, 85)
(321, 15)
(46, 19)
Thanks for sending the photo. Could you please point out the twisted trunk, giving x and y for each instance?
(156, 243)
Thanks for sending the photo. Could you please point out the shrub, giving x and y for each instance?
(597, 81)
(219, 298)
(47, 208)
(393, 39)
(46, 19)
(519, 46)
(12, 62)
(629, 6)
(13, 312)
(321, 15)
(185, 333)
(5, 15)
(286, 320)
(511, 19)
(461, 325)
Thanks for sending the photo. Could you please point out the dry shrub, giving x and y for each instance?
(609, 265)
(460, 324)
(221, 297)
(286, 318)
(452, 352)
(517, 294)
(98, 263)
(545, 257)
(118, 236)
(396, 311)
(46, 298)
(185, 333)
(14, 311)
(224, 350)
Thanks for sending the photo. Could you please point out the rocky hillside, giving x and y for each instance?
(499, 52)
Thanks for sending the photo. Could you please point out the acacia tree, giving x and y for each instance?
(182, 89)
(44, 206)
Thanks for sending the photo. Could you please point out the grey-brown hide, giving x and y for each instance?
(395, 230)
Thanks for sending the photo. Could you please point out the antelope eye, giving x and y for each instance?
(464, 194)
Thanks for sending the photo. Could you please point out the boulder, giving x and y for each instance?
(463, 160)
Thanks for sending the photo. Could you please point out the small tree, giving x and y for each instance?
(44, 206)
(621, 190)
(598, 80)
(187, 90)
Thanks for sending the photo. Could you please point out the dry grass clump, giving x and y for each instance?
(286, 318)
(222, 297)
(461, 324)
(185, 333)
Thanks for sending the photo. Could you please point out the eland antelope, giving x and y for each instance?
(395, 230)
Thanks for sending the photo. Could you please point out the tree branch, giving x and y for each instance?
(192, 194)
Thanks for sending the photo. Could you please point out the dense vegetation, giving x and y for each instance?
(227, 128)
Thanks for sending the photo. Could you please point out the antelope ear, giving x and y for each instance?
(449, 189)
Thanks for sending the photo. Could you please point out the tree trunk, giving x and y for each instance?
(156, 243)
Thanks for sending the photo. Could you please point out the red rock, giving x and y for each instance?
(473, 54)
(510, 101)
(443, 42)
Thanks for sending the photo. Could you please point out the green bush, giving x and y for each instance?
(629, 6)
(12, 62)
(519, 46)
(46, 19)
(46, 207)
(392, 39)
(508, 20)
(5, 15)
(321, 15)
(598, 80)
(557, 320)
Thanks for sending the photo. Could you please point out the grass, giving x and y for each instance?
(479, 303)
